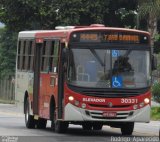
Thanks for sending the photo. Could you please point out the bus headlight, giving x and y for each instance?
(146, 100)
(70, 98)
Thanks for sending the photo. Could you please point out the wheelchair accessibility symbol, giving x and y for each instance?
(117, 82)
(115, 53)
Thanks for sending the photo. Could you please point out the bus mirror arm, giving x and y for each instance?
(154, 63)
(65, 54)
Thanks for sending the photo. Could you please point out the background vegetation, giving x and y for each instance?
(156, 91)
(155, 115)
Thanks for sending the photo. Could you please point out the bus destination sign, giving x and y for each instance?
(118, 37)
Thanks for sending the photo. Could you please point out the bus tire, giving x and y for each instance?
(41, 123)
(97, 126)
(56, 125)
(52, 113)
(127, 128)
(60, 126)
(87, 126)
(29, 119)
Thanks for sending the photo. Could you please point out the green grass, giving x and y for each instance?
(155, 113)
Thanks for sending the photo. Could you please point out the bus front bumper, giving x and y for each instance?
(73, 113)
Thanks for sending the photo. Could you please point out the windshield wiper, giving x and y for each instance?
(127, 53)
(97, 57)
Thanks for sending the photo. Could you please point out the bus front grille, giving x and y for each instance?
(119, 115)
(106, 106)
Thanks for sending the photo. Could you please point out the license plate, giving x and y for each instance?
(109, 114)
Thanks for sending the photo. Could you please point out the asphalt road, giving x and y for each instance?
(12, 129)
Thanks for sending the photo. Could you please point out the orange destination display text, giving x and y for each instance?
(110, 37)
(133, 38)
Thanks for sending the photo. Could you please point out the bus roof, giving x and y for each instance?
(63, 32)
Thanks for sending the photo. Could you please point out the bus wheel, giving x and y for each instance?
(87, 126)
(41, 124)
(61, 127)
(58, 126)
(127, 128)
(97, 126)
(29, 119)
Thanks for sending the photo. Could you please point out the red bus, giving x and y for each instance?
(84, 75)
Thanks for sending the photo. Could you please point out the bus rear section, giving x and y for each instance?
(89, 76)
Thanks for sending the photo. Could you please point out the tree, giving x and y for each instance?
(80, 12)
(150, 9)
(157, 44)
(28, 14)
(121, 13)
(156, 91)
(46, 14)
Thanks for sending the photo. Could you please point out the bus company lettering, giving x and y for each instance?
(94, 100)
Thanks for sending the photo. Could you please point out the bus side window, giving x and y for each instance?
(43, 59)
(46, 51)
(49, 60)
(53, 60)
(26, 56)
(21, 55)
(31, 46)
(18, 57)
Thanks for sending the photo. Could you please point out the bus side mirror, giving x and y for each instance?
(154, 63)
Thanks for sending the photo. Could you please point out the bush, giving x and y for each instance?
(156, 92)
(155, 113)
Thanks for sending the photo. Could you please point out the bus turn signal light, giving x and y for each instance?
(141, 105)
(76, 102)
(135, 107)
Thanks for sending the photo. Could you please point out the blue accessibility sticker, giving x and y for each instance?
(115, 53)
(117, 82)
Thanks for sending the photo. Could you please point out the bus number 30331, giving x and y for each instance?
(132, 101)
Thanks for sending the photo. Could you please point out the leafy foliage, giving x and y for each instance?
(149, 6)
(28, 14)
(157, 44)
(120, 15)
(81, 12)
(150, 9)
(46, 14)
(156, 91)
(155, 113)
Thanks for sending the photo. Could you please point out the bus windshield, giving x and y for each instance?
(105, 68)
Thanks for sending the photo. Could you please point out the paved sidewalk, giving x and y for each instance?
(11, 109)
